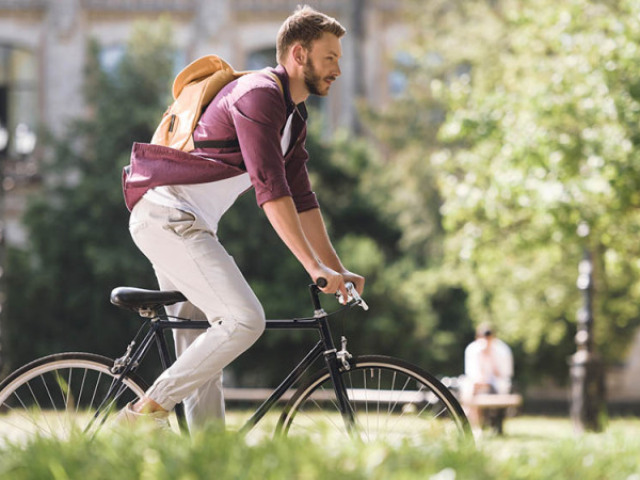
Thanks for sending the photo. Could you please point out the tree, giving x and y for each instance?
(540, 133)
(79, 248)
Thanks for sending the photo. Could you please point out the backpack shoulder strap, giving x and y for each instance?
(278, 82)
(233, 143)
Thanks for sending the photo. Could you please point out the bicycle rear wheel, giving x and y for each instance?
(60, 394)
(392, 401)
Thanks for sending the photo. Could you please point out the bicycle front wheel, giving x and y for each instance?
(57, 395)
(391, 400)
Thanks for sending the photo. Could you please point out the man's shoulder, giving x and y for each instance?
(473, 347)
(259, 85)
(501, 345)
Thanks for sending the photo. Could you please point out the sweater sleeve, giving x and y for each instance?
(298, 176)
(258, 117)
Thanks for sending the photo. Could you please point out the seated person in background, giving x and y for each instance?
(488, 368)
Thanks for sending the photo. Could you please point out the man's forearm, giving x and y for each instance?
(284, 218)
(316, 233)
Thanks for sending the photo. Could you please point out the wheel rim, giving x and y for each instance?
(391, 403)
(60, 398)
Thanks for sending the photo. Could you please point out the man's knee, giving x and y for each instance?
(258, 322)
(252, 320)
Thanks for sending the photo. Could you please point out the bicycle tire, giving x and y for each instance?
(62, 394)
(392, 400)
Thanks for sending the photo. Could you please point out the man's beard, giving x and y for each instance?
(312, 80)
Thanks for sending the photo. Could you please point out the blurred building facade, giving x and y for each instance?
(43, 47)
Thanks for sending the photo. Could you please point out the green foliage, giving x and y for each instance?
(534, 129)
(79, 244)
(540, 449)
(535, 143)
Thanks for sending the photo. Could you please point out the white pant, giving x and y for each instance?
(188, 257)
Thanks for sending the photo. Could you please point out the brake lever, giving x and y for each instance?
(354, 296)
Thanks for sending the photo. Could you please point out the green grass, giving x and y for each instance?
(546, 448)
(532, 448)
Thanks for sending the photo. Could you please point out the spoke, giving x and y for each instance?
(116, 397)
(320, 409)
(444, 409)
(424, 409)
(68, 399)
(107, 398)
(366, 402)
(59, 379)
(53, 405)
(102, 410)
(333, 401)
(315, 407)
(30, 418)
(389, 406)
(393, 386)
(402, 412)
(95, 390)
(79, 401)
(379, 401)
(35, 398)
(354, 404)
(32, 395)
(438, 414)
(69, 383)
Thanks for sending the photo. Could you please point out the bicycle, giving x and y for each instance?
(371, 397)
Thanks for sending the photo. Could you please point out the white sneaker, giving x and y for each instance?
(128, 416)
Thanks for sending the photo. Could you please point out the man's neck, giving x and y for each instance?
(297, 87)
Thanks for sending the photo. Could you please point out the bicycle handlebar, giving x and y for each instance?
(354, 296)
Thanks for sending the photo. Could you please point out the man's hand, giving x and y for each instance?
(335, 281)
(357, 280)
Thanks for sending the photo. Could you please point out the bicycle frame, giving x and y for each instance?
(325, 347)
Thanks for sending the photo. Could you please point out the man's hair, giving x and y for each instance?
(485, 329)
(304, 26)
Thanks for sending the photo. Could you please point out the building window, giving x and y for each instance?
(18, 100)
(110, 57)
(258, 59)
(398, 78)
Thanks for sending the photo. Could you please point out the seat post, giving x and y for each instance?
(149, 312)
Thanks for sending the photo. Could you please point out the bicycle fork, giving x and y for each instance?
(334, 360)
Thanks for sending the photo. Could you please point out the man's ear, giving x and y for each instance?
(299, 54)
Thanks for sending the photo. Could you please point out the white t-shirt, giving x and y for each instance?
(493, 366)
(209, 201)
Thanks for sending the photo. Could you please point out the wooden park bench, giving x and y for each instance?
(496, 400)
(494, 407)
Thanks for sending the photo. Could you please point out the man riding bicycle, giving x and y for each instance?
(175, 225)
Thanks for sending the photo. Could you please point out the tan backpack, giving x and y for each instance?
(193, 89)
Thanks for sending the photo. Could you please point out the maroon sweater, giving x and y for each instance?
(252, 110)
